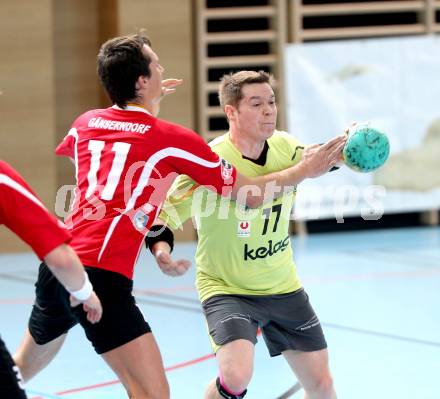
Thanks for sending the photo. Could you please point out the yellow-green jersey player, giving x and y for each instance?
(246, 276)
(240, 251)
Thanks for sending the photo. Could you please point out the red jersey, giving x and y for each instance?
(23, 213)
(126, 160)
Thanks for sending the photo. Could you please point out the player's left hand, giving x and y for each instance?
(92, 306)
(309, 150)
(171, 267)
(169, 86)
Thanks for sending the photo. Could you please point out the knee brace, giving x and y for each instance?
(225, 393)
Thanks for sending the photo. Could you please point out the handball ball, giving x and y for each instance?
(366, 148)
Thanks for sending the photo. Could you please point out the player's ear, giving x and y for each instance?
(230, 112)
(141, 82)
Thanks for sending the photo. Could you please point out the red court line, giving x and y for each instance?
(104, 384)
(170, 368)
(74, 390)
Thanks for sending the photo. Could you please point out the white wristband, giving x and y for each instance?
(85, 291)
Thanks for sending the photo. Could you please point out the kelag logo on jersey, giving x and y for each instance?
(263, 252)
(244, 229)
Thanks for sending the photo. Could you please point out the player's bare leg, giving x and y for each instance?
(31, 358)
(235, 360)
(312, 371)
(139, 366)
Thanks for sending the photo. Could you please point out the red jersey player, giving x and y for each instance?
(23, 213)
(125, 160)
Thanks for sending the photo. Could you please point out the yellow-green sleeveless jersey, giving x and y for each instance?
(240, 251)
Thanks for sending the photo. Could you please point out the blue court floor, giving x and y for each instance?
(377, 294)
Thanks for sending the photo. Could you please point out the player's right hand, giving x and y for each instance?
(92, 306)
(169, 266)
(319, 159)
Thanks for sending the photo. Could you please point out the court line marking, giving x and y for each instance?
(161, 294)
(167, 369)
(291, 391)
(41, 394)
(169, 305)
(397, 257)
(209, 356)
(198, 310)
(113, 382)
(309, 279)
(21, 279)
(17, 301)
(382, 335)
(370, 276)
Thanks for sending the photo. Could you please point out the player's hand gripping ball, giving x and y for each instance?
(366, 148)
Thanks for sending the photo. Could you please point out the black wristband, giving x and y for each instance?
(159, 233)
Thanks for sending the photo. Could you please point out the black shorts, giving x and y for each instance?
(52, 316)
(287, 321)
(9, 376)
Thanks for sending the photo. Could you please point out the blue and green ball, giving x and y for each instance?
(366, 148)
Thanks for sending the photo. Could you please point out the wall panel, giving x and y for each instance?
(170, 30)
(27, 114)
(77, 89)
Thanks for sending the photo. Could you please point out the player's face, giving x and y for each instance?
(257, 111)
(156, 71)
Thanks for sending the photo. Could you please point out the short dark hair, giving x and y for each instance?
(121, 61)
(229, 91)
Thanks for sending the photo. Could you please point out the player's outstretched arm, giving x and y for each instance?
(67, 268)
(318, 162)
